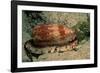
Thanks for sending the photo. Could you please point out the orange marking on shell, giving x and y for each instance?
(62, 31)
(43, 32)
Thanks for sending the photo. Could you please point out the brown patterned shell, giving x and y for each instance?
(52, 34)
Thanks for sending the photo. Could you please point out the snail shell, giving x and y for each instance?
(52, 34)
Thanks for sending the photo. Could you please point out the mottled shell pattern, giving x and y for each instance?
(52, 34)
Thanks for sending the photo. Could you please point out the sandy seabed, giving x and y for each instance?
(82, 53)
